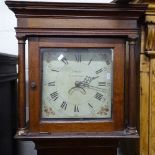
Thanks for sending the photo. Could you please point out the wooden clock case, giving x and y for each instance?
(46, 24)
(37, 123)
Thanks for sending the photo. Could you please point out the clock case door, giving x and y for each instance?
(115, 123)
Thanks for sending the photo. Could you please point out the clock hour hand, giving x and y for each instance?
(76, 88)
(73, 89)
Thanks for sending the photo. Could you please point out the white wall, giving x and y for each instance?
(8, 42)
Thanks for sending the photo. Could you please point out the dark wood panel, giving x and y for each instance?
(8, 104)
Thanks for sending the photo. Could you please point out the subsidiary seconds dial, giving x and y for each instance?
(76, 83)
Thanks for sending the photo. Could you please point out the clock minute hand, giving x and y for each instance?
(91, 87)
(89, 79)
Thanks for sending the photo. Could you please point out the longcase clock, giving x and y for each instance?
(83, 75)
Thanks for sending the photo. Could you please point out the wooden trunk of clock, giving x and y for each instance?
(81, 146)
(83, 75)
(108, 148)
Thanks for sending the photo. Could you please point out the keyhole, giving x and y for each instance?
(33, 85)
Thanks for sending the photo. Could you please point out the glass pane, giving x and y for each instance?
(77, 83)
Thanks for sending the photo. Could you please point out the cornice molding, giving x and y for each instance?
(75, 10)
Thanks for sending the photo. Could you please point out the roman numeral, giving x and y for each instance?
(90, 105)
(54, 70)
(90, 61)
(76, 109)
(78, 57)
(101, 83)
(64, 60)
(51, 83)
(108, 84)
(108, 62)
(64, 105)
(54, 95)
(98, 96)
(99, 71)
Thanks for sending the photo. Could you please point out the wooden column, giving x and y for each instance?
(147, 96)
(150, 52)
(21, 83)
(152, 107)
(144, 97)
(131, 128)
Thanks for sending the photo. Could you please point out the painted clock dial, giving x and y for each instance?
(76, 83)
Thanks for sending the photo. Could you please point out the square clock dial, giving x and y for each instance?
(77, 83)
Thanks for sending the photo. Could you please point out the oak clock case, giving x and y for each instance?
(96, 109)
(79, 84)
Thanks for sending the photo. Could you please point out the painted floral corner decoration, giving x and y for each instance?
(48, 110)
(104, 110)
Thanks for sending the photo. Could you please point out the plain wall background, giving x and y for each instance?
(8, 42)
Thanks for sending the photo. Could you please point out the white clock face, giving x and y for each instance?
(76, 83)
